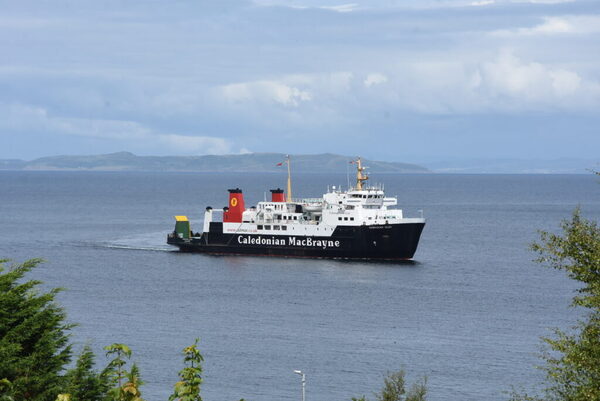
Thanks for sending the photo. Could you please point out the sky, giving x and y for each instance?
(397, 80)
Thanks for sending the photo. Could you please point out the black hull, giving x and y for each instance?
(377, 242)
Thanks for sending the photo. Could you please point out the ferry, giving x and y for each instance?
(358, 223)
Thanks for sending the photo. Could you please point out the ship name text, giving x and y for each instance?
(291, 241)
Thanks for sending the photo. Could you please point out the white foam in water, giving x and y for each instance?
(154, 241)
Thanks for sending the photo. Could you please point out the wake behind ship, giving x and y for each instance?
(359, 223)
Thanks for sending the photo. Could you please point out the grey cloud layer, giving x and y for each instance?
(217, 77)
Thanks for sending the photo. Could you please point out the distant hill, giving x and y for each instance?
(12, 164)
(516, 166)
(250, 162)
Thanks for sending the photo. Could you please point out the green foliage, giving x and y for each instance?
(188, 388)
(33, 337)
(82, 382)
(394, 389)
(123, 385)
(576, 251)
(418, 391)
(34, 351)
(575, 374)
(573, 362)
(6, 390)
(131, 389)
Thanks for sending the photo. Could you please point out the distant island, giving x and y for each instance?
(249, 162)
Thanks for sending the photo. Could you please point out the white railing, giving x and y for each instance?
(307, 200)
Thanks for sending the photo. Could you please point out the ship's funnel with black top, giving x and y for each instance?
(277, 195)
(236, 207)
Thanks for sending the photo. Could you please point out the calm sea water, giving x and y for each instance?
(468, 313)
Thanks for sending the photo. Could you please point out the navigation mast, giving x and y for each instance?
(289, 182)
(360, 177)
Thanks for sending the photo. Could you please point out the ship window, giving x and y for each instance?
(351, 218)
(259, 227)
(345, 219)
(275, 227)
(269, 227)
(339, 218)
(284, 228)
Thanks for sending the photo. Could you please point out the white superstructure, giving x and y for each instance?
(360, 205)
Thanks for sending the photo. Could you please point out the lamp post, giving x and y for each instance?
(299, 372)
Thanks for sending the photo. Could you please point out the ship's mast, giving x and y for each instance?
(360, 177)
(289, 182)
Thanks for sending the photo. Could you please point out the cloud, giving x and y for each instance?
(306, 5)
(482, 3)
(391, 5)
(18, 118)
(504, 83)
(197, 144)
(375, 79)
(342, 8)
(265, 91)
(543, 1)
(588, 24)
(532, 82)
(177, 77)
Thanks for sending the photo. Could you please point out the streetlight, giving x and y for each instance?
(299, 372)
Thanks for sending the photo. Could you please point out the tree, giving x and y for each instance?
(573, 370)
(573, 360)
(131, 389)
(6, 390)
(82, 382)
(34, 347)
(188, 388)
(125, 385)
(394, 389)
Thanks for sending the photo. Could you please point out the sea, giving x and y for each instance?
(467, 313)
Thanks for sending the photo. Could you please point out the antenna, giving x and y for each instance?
(289, 183)
(348, 175)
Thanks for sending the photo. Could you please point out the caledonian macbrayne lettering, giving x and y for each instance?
(292, 241)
